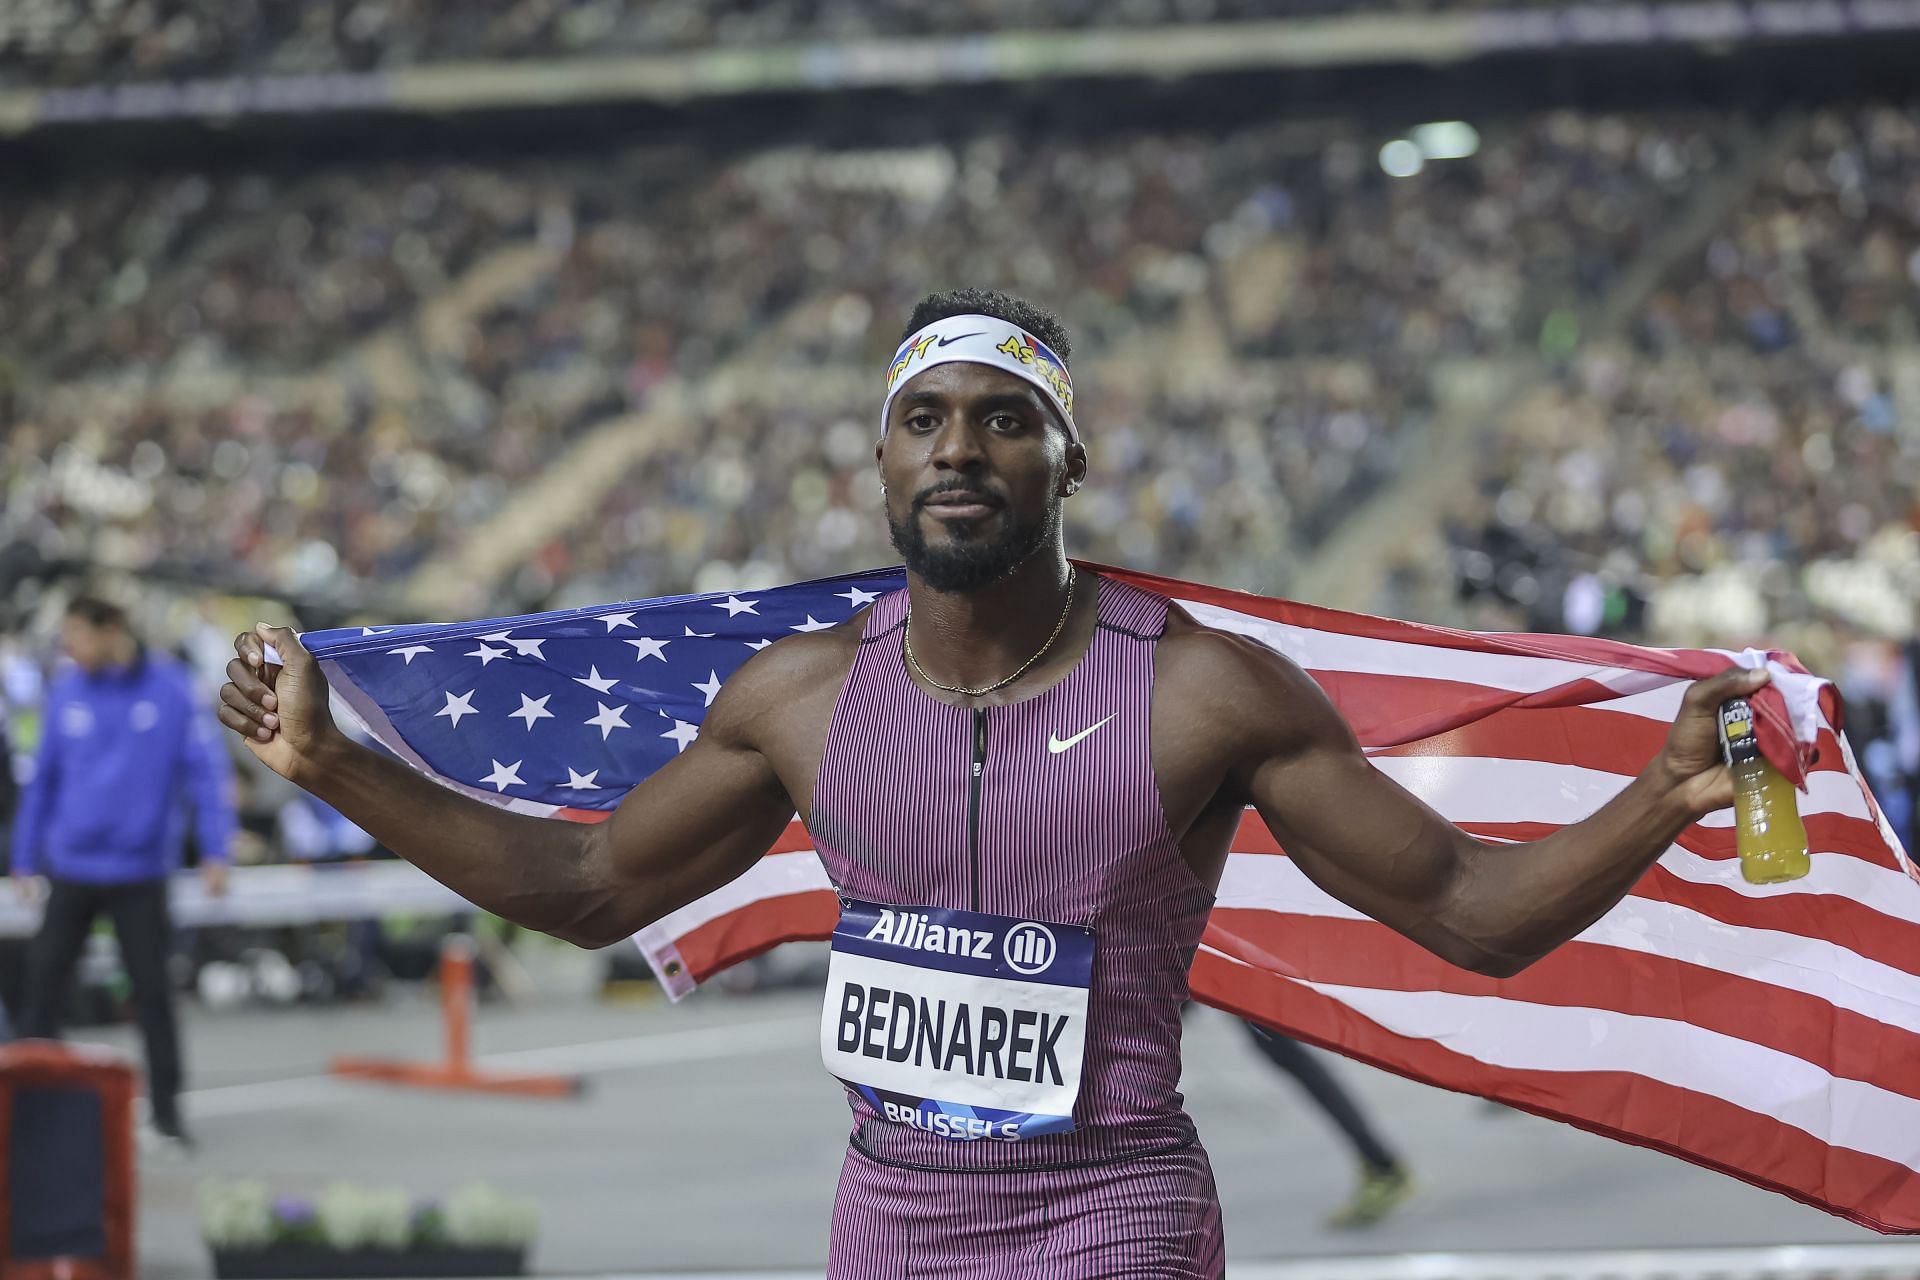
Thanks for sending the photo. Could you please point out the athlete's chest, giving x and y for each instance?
(1048, 805)
(1052, 771)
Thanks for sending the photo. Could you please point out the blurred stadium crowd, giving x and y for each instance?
(321, 383)
(1266, 312)
(47, 42)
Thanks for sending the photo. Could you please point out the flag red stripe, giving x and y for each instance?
(795, 839)
(1583, 736)
(1589, 737)
(760, 926)
(1825, 917)
(1865, 1189)
(1584, 975)
(1385, 710)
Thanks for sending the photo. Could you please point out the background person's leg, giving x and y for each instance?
(141, 922)
(1299, 1062)
(54, 955)
(1384, 1182)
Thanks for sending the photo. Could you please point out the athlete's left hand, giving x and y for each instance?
(1690, 765)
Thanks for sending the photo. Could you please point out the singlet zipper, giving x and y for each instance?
(973, 798)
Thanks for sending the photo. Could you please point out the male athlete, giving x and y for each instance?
(1022, 780)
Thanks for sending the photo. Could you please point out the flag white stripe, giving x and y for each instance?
(1841, 875)
(1499, 789)
(1519, 1036)
(1811, 966)
(1660, 705)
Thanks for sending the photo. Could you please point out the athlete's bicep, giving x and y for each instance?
(1349, 827)
(701, 820)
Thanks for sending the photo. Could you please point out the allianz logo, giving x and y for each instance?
(1030, 946)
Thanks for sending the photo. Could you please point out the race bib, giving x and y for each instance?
(958, 1023)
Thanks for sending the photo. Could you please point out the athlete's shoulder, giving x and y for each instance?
(807, 654)
(790, 671)
(1233, 682)
(1193, 649)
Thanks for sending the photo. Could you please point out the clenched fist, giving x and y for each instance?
(279, 709)
(1691, 759)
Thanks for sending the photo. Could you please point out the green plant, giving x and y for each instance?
(482, 1216)
(356, 1217)
(243, 1214)
(236, 1215)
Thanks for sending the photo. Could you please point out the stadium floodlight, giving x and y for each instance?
(1446, 139)
(1401, 159)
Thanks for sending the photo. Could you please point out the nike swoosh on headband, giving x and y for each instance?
(1055, 745)
(955, 338)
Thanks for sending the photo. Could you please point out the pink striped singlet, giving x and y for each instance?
(1046, 809)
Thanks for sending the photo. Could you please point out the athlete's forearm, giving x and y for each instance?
(536, 872)
(1519, 901)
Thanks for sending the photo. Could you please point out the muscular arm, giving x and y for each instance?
(695, 824)
(533, 871)
(1368, 841)
(703, 819)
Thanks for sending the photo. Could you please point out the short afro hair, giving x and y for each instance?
(1043, 325)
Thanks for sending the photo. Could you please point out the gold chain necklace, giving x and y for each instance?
(906, 643)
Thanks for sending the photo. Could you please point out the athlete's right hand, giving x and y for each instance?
(280, 710)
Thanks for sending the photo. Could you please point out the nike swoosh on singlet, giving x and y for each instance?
(947, 342)
(1056, 744)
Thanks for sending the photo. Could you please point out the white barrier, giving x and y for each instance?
(262, 897)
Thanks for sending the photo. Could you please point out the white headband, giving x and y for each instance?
(983, 340)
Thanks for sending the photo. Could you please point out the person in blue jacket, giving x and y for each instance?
(125, 746)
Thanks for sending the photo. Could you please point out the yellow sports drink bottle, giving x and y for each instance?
(1766, 819)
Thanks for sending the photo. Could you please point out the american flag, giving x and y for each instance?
(1771, 1032)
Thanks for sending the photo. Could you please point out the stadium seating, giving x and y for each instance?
(46, 42)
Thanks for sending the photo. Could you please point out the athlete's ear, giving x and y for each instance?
(1076, 469)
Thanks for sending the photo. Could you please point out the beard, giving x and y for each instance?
(967, 563)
